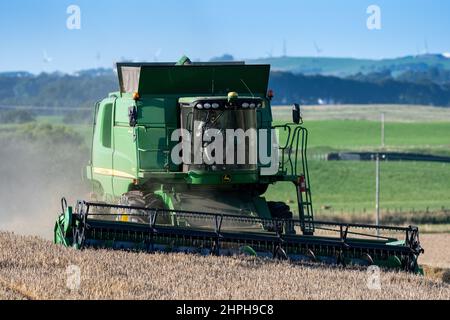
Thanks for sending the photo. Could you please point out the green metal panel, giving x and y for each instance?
(124, 157)
(157, 110)
(121, 110)
(166, 198)
(204, 79)
(152, 148)
(261, 207)
(220, 178)
(124, 162)
(157, 118)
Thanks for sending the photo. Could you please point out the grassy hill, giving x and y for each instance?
(349, 66)
(408, 80)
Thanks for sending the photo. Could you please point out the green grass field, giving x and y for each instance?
(347, 135)
(349, 186)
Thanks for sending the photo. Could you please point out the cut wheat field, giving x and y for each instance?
(33, 268)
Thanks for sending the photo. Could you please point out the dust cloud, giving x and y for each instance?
(34, 175)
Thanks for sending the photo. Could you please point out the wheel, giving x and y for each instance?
(139, 199)
(280, 210)
(410, 263)
(280, 254)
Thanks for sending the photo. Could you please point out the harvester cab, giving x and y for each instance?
(181, 159)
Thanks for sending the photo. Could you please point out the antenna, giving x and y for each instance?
(248, 88)
(98, 57)
(157, 54)
(318, 49)
(426, 46)
(284, 48)
(46, 58)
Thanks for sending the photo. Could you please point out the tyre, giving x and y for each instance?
(139, 199)
(280, 210)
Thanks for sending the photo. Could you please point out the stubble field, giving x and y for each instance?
(33, 268)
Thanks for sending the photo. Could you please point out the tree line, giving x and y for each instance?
(84, 89)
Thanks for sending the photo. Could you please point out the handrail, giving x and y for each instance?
(296, 136)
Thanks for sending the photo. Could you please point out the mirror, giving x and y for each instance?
(296, 116)
(132, 116)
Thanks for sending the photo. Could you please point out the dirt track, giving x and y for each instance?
(33, 268)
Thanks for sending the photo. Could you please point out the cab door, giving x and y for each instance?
(102, 149)
(124, 149)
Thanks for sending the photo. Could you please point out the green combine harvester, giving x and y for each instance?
(145, 198)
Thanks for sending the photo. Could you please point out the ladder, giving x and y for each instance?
(295, 165)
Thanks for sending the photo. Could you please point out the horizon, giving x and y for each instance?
(112, 67)
(38, 38)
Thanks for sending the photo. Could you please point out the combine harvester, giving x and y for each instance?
(145, 198)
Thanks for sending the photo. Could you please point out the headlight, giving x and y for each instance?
(245, 105)
(215, 105)
(199, 106)
(252, 105)
(207, 105)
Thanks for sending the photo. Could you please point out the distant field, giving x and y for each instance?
(359, 134)
(393, 113)
(349, 185)
(365, 135)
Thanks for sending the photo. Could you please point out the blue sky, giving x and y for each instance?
(112, 30)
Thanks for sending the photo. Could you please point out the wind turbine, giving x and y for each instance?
(157, 54)
(98, 58)
(46, 58)
(269, 53)
(426, 46)
(318, 49)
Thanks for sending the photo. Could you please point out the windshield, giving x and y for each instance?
(226, 139)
